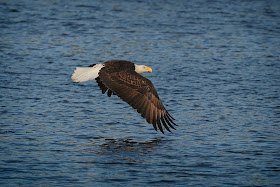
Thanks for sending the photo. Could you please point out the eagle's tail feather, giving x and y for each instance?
(82, 74)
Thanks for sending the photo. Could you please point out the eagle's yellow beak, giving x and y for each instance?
(148, 69)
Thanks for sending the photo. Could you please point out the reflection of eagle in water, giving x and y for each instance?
(122, 78)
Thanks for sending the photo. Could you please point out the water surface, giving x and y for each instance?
(216, 67)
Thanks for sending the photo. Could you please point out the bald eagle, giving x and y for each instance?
(123, 79)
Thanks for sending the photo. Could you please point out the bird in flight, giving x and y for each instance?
(122, 78)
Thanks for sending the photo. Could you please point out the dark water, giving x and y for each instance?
(216, 66)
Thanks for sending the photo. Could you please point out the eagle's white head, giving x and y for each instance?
(142, 68)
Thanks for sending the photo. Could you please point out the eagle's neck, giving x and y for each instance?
(139, 68)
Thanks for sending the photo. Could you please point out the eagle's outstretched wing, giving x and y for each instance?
(138, 92)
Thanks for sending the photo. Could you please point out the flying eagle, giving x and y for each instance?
(123, 79)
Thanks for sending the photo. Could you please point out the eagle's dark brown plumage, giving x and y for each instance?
(120, 78)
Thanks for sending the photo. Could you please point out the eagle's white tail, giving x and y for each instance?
(82, 74)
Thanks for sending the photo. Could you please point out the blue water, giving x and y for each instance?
(216, 66)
